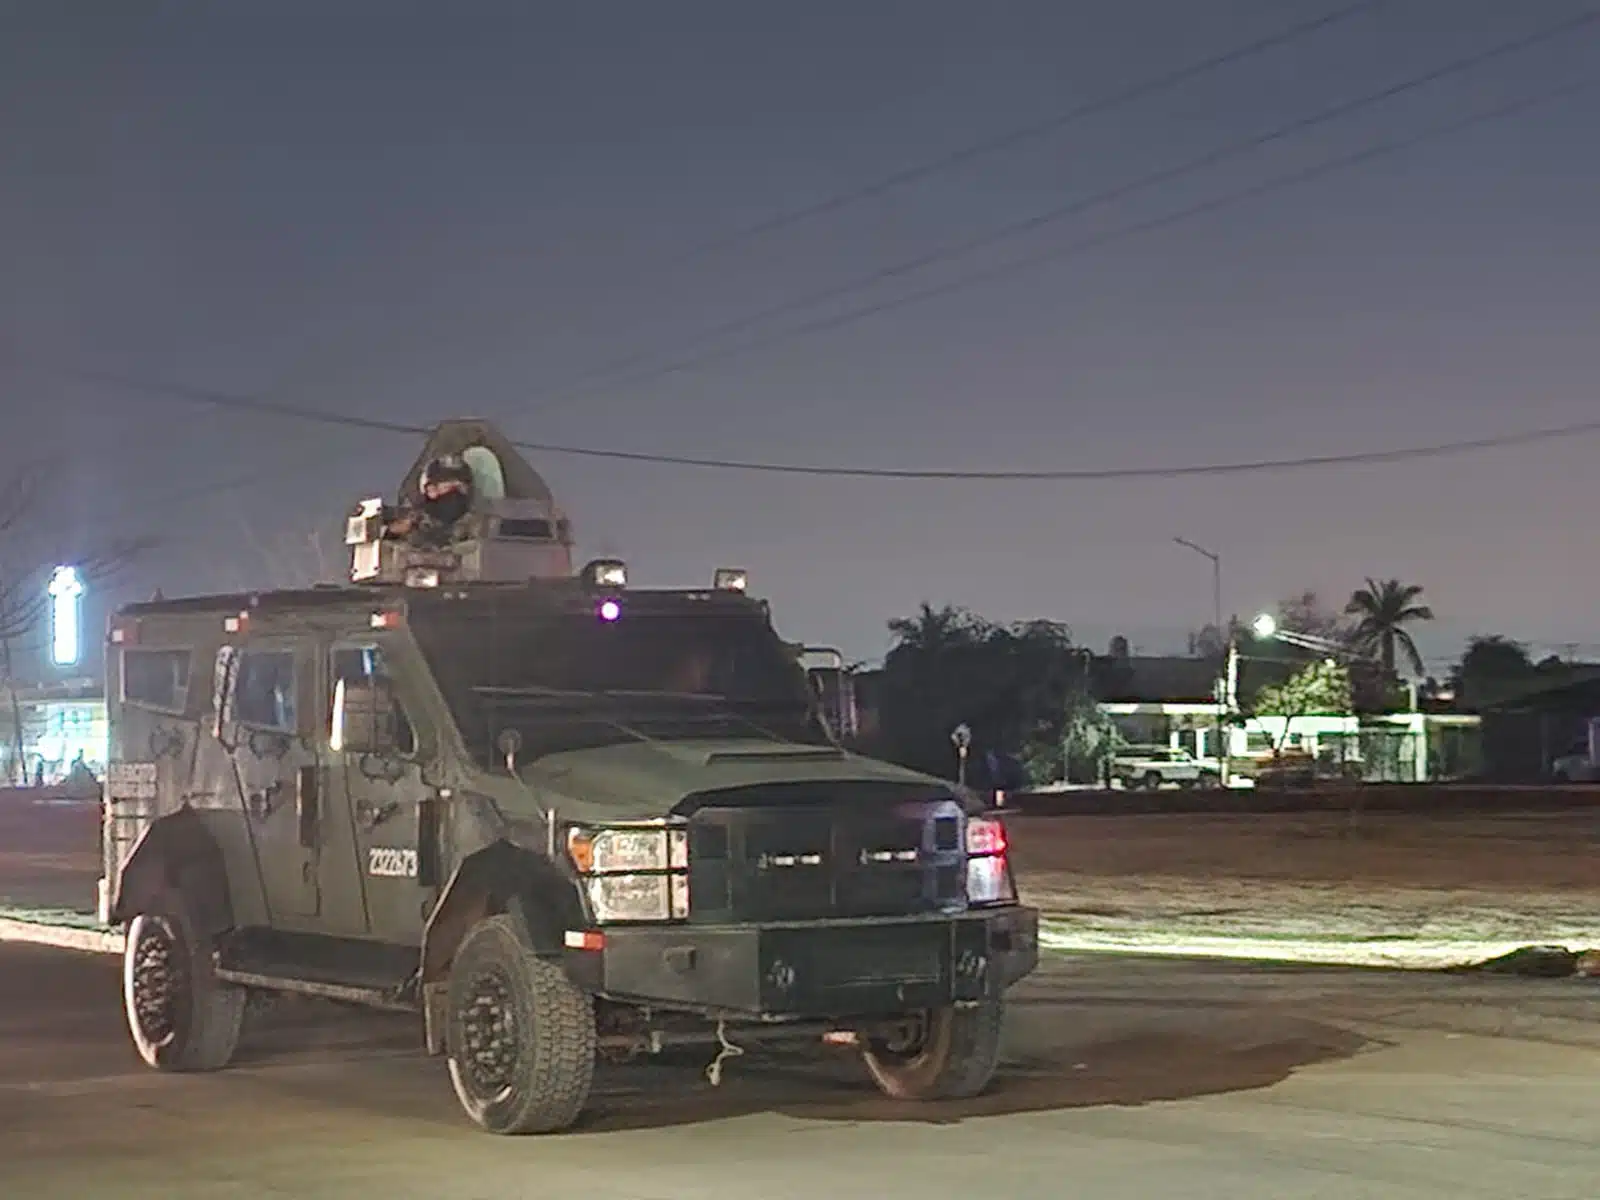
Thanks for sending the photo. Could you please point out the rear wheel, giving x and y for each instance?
(181, 1017)
(520, 1034)
(943, 1054)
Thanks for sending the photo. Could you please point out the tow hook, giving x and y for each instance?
(725, 1051)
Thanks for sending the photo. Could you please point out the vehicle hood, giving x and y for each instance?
(646, 780)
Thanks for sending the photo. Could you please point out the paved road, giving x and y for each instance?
(1125, 1078)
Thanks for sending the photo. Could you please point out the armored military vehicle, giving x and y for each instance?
(560, 817)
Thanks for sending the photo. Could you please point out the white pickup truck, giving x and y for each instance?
(1580, 764)
(1153, 766)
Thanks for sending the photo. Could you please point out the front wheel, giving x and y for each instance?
(181, 1017)
(520, 1034)
(944, 1054)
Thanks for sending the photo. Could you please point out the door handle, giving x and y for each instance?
(372, 815)
(261, 804)
(308, 804)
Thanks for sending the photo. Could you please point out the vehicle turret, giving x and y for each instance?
(470, 509)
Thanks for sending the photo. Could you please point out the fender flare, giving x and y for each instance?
(176, 854)
(501, 878)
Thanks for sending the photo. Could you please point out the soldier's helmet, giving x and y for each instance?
(446, 488)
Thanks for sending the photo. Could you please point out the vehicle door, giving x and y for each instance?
(379, 787)
(267, 730)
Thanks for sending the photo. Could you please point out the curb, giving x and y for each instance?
(1390, 954)
(62, 937)
(1393, 955)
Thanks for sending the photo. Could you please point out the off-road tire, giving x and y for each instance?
(519, 1034)
(180, 1016)
(956, 1059)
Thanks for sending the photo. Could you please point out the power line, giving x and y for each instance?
(974, 151)
(263, 406)
(1111, 237)
(603, 378)
(1033, 131)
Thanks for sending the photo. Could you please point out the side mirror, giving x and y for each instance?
(364, 719)
(509, 743)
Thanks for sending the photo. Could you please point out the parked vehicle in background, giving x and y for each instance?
(1297, 769)
(1154, 766)
(1581, 764)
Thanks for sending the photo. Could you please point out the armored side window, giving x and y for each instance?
(363, 667)
(156, 678)
(264, 691)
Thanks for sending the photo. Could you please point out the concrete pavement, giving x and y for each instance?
(1124, 1078)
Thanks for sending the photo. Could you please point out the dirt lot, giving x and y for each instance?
(49, 852)
(1418, 884)
(1513, 852)
(1395, 889)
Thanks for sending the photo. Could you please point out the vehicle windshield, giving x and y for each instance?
(572, 681)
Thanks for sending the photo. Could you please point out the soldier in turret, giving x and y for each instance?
(445, 498)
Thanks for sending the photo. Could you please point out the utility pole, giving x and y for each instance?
(1226, 682)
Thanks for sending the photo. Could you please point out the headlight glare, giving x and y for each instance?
(633, 873)
(630, 897)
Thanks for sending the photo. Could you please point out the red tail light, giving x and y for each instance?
(988, 871)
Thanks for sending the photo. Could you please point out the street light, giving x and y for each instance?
(1216, 577)
(1224, 689)
(1333, 653)
(1266, 626)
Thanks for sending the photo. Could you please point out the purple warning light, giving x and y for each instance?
(610, 610)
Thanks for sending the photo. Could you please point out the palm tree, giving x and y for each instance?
(1382, 611)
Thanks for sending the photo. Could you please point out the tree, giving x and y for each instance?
(1382, 611)
(1209, 642)
(1022, 689)
(1491, 668)
(933, 631)
(1306, 613)
(1320, 688)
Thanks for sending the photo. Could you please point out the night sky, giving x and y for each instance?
(419, 211)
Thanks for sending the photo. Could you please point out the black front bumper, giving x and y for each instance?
(815, 969)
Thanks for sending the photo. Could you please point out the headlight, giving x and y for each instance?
(633, 873)
(988, 873)
(601, 851)
(632, 897)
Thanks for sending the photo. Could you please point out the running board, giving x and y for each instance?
(365, 996)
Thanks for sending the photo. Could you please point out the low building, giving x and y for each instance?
(55, 725)
(1173, 701)
(1525, 732)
